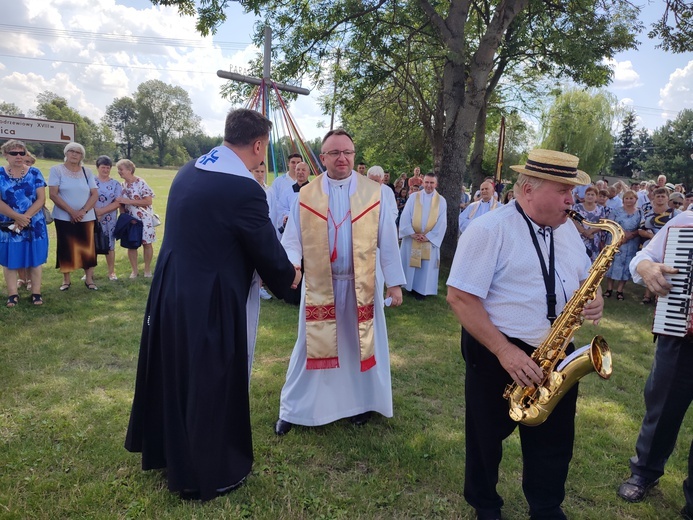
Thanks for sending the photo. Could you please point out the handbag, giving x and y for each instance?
(102, 242)
(156, 221)
(8, 225)
(47, 215)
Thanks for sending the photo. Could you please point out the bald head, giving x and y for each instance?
(302, 172)
(486, 190)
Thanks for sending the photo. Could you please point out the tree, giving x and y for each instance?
(50, 105)
(623, 163)
(198, 143)
(672, 149)
(389, 135)
(580, 123)
(644, 147)
(444, 59)
(164, 113)
(679, 37)
(121, 117)
(9, 109)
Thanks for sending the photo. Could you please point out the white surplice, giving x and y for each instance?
(424, 279)
(316, 397)
(253, 303)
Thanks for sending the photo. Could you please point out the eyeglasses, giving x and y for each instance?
(337, 153)
(15, 154)
(74, 151)
(677, 203)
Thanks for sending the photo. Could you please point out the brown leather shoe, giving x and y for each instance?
(635, 489)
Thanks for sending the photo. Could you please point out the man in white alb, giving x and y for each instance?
(480, 207)
(422, 228)
(340, 364)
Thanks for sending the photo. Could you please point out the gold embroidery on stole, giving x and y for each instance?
(422, 250)
(321, 320)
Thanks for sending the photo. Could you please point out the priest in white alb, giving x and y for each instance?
(340, 365)
(422, 227)
(476, 209)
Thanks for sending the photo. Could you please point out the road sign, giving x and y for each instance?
(43, 130)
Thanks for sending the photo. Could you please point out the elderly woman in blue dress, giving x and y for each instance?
(25, 244)
(72, 188)
(137, 202)
(107, 207)
(629, 217)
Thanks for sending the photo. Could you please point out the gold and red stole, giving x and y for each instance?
(422, 250)
(321, 319)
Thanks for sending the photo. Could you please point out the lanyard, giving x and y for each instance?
(333, 256)
(550, 275)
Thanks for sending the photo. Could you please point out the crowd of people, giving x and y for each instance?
(80, 200)
(344, 246)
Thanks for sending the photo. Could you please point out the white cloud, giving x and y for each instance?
(677, 94)
(625, 76)
(67, 47)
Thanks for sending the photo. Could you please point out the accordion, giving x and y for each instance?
(672, 315)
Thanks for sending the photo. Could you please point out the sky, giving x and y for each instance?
(94, 51)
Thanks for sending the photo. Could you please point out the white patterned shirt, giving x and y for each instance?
(497, 262)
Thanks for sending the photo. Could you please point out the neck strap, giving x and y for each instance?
(550, 274)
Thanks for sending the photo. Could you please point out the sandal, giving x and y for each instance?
(91, 286)
(607, 294)
(65, 286)
(36, 299)
(619, 295)
(646, 300)
(12, 300)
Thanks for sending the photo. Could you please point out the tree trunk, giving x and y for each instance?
(466, 86)
(476, 161)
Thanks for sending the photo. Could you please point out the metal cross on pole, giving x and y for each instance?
(265, 71)
(266, 84)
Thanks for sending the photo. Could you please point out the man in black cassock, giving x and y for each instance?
(190, 413)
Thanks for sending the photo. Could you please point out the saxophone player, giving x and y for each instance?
(513, 272)
(669, 387)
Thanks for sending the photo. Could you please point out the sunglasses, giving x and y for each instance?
(16, 153)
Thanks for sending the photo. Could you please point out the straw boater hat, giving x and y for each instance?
(554, 166)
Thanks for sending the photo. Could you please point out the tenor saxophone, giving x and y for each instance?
(532, 405)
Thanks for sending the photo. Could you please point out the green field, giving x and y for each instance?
(67, 372)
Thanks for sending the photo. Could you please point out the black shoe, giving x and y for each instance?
(228, 489)
(482, 514)
(361, 419)
(282, 427)
(635, 489)
(190, 494)
(418, 296)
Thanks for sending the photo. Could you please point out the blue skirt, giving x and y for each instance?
(21, 255)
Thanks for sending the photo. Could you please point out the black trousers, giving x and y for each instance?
(546, 449)
(668, 395)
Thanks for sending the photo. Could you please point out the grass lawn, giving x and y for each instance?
(67, 373)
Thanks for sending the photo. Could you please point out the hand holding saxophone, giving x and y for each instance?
(522, 368)
(593, 308)
(653, 275)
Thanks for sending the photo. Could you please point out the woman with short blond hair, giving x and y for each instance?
(136, 201)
